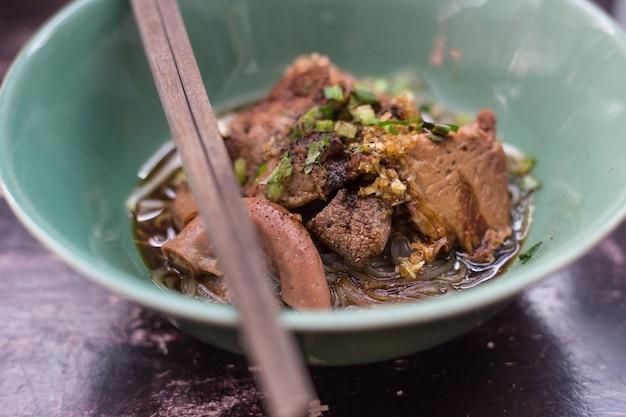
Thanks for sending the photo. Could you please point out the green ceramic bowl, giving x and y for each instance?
(79, 114)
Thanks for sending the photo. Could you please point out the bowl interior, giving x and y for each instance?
(79, 114)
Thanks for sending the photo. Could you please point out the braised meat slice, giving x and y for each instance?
(287, 245)
(463, 177)
(357, 228)
(190, 251)
(319, 166)
(273, 118)
(292, 253)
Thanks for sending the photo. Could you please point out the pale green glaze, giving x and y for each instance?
(79, 114)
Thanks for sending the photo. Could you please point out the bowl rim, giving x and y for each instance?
(485, 295)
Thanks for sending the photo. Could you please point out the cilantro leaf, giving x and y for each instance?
(316, 149)
(525, 256)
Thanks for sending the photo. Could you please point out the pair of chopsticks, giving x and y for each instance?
(270, 348)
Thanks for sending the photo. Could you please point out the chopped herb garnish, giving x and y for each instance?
(441, 130)
(523, 166)
(273, 191)
(240, 166)
(345, 129)
(296, 133)
(282, 170)
(394, 122)
(529, 183)
(525, 257)
(316, 150)
(353, 103)
(417, 119)
(327, 112)
(308, 121)
(389, 125)
(364, 114)
(324, 126)
(364, 94)
(260, 170)
(333, 93)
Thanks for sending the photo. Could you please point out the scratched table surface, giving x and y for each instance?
(71, 349)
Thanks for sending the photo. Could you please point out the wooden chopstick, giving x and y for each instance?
(269, 346)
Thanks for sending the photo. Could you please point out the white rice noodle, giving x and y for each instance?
(154, 180)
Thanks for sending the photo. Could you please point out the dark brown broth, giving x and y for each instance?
(349, 287)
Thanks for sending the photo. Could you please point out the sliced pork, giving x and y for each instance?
(463, 179)
(357, 228)
(266, 127)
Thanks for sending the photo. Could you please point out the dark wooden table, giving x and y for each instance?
(71, 349)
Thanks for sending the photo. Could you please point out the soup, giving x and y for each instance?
(362, 194)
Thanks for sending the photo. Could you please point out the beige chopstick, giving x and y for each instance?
(269, 346)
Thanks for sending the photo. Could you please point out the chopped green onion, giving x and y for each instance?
(327, 112)
(389, 125)
(240, 166)
(282, 170)
(441, 130)
(316, 150)
(364, 94)
(435, 138)
(525, 257)
(296, 133)
(260, 170)
(345, 129)
(307, 123)
(394, 122)
(353, 103)
(333, 93)
(523, 165)
(324, 126)
(364, 114)
(438, 130)
(273, 191)
(529, 183)
(416, 119)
